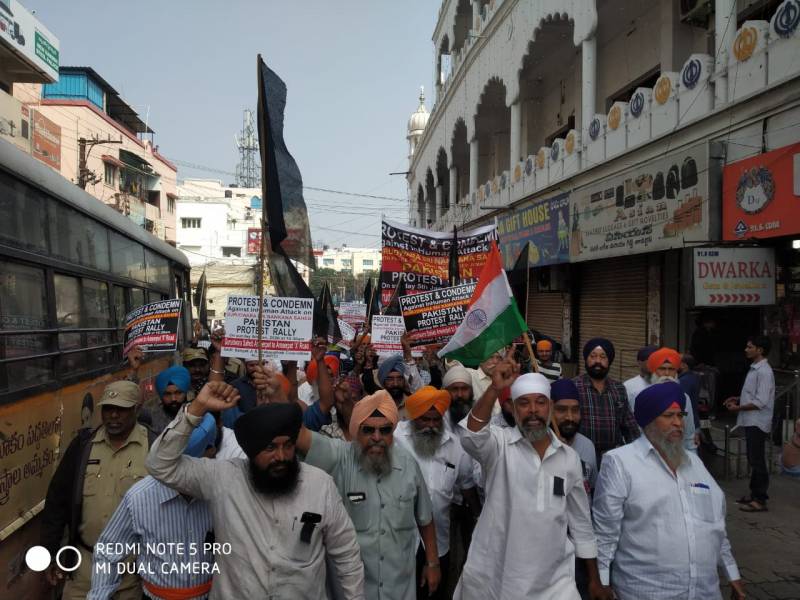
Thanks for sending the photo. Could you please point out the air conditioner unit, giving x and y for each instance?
(696, 12)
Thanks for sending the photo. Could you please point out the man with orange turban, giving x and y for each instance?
(318, 413)
(663, 365)
(385, 495)
(544, 356)
(447, 469)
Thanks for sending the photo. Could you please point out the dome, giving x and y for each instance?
(418, 121)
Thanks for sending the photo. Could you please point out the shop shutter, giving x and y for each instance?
(546, 312)
(613, 304)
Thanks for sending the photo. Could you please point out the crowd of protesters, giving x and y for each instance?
(394, 478)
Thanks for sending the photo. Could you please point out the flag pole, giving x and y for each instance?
(368, 324)
(262, 250)
(528, 345)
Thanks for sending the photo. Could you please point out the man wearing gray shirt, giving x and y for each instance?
(754, 408)
(385, 494)
(276, 520)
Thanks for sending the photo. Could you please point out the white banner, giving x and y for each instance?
(734, 276)
(287, 328)
(386, 334)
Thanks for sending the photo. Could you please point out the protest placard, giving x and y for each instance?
(286, 328)
(433, 317)
(348, 333)
(153, 327)
(353, 313)
(386, 334)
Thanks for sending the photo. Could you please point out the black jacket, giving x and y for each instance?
(63, 504)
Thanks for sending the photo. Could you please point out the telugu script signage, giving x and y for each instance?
(659, 205)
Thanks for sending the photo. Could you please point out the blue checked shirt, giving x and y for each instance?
(152, 513)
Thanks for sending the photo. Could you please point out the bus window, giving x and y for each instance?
(97, 245)
(120, 309)
(67, 227)
(23, 215)
(98, 316)
(157, 270)
(127, 257)
(23, 307)
(68, 316)
(137, 298)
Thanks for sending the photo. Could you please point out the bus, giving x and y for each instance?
(71, 268)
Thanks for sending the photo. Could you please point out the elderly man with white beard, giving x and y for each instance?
(658, 514)
(534, 494)
(447, 469)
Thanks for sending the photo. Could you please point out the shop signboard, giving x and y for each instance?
(26, 37)
(761, 195)
(734, 276)
(46, 142)
(253, 240)
(544, 223)
(660, 204)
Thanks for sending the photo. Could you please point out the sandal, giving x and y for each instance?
(753, 507)
(744, 500)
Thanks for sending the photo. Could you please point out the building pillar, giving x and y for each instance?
(439, 203)
(453, 186)
(473, 165)
(725, 30)
(588, 81)
(515, 133)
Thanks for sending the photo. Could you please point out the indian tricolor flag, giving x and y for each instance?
(492, 320)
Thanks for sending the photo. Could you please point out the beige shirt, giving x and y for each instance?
(267, 558)
(109, 474)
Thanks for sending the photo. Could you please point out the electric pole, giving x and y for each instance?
(84, 174)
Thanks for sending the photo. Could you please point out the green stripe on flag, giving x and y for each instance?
(501, 332)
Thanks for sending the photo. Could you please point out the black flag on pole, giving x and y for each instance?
(200, 293)
(281, 182)
(452, 267)
(289, 283)
(334, 333)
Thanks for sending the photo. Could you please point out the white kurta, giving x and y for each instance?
(519, 547)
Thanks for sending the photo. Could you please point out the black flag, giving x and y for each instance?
(288, 283)
(200, 300)
(281, 182)
(452, 267)
(393, 308)
(373, 302)
(334, 333)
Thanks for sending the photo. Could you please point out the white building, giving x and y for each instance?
(600, 133)
(356, 260)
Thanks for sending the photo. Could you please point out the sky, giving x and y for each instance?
(352, 69)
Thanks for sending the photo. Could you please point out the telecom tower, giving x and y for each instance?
(248, 170)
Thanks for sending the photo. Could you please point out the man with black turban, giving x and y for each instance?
(282, 519)
(606, 417)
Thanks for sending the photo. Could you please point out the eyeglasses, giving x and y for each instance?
(369, 429)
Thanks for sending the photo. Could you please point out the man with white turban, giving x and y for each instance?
(385, 494)
(534, 493)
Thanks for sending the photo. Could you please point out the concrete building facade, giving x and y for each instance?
(599, 134)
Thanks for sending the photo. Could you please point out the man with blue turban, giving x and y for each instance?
(659, 516)
(171, 386)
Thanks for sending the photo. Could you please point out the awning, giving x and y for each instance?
(172, 196)
(107, 158)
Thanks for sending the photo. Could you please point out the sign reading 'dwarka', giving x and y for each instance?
(734, 276)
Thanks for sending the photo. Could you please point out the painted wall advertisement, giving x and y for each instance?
(46, 140)
(658, 205)
(734, 276)
(423, 255)
(543, 223)
(761, 195)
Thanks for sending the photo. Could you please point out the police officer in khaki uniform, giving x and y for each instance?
(97, 469)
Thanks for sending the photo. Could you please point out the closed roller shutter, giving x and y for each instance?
(546, 312)
(613, 304)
